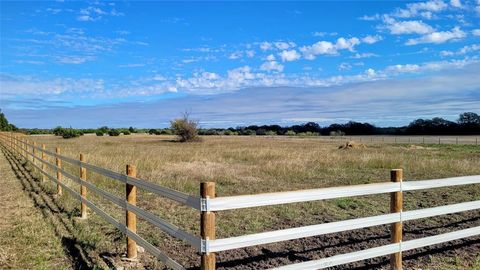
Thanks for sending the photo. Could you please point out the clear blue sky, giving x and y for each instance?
(87, 64)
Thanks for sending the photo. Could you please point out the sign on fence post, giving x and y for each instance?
(396, 206)
(83, 189)
(43, 163)
(131, 194)
(207, 225)
(59, 174)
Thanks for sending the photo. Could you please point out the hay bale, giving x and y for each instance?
(352, 145)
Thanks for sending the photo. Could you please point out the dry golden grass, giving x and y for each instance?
(249, 165)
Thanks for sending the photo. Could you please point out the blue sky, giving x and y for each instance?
(87, 64)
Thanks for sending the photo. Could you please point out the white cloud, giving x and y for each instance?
(371, 39)
(290, 55)
(281, 45)
(363, 55)
(456, 3)
(344, 66)
(266, 46)
(329, 48)
(270, 57)
(464, 50)
(131, 65)
(438, 37)
(408, 27)
(476, 32)
(272, 66)
(423, 9)
(72, 59)
(250, 53)
(235, 55)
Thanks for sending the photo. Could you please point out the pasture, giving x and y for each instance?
(249, 165)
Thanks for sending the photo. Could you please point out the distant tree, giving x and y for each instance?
(58, 131)
(185, 128)
(261, 132)
(469, 123)
(132, 130)
(469, 118)
(69, 133)
(4, 125)
(103, 129)
(99, 133)
(290, 133)
(113, 132)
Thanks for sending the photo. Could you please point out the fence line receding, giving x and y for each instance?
(207, 203)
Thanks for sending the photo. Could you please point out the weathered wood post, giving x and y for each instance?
(438, 140)
(25, 149)
(396, 206)
(34, 150)
(43, 163)
(131, 194)
(59, 174)
(83, 189)
(423, 140)
(207, 225)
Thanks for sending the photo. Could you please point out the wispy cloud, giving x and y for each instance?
(439, 37)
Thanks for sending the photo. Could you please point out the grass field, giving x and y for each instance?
(249, 165)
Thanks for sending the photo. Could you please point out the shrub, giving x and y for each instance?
(152, 131)
(248, 132)
(126, 132)
(103, 129)
(229, 132)
(99, 133)
(132, 130)
(165, 132)
(71, 133)
(261, 131)
(290, 133)
(271, 133)
(185, 128)
(113, 132)
(59, 131)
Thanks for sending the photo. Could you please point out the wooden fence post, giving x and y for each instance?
(25, 149)
(83, 189)
(43, 164)
(207, 225)
(131, 194)
(438, 140)
(34, 150)
(59, 174)
(396, 206)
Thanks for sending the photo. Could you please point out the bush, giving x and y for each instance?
(185, 128)
(261, 131)
(290, 133)
(153, 131)
(113, 132)
(59, 131)
(126, 132)
(248, 132)
(71, 133)
(99, 133)
(165, 132)
(271, 133)
(229, 132)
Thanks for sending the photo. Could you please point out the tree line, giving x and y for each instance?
(468, 123)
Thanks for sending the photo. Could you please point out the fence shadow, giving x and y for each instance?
(53, 213)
